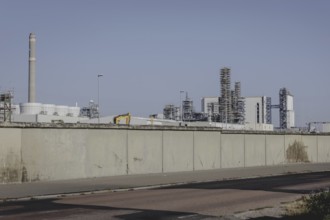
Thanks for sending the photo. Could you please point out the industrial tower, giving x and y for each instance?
(286, 109)
(226, 113)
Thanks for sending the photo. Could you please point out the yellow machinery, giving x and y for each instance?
(117, 119)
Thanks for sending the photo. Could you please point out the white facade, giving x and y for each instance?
(46, 113)
(291, 121)
(290, 112)
(255, 110)
(289, 100)
(206, 101)
(30, 108)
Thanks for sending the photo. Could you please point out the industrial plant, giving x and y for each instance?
(229, 110)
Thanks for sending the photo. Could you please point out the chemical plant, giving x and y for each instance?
(229, 110)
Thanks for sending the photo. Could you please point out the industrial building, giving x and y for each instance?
(186, 112)
(171, 112)
(319, 127)
(229, 110)
(257, 110)
(231, 103)
(287, 119)
(32, 111)
(210, 105)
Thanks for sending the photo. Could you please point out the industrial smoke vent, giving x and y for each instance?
(32, 68)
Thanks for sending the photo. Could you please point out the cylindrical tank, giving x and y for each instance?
(48, 109)
(30, 108)
(74, 111)
(15, 109)
(61, 110)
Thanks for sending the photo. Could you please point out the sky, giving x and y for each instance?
(150, 50)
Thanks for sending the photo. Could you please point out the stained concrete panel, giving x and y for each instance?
(177, 151)
(232, 150)
(53, 154)
(10, 155)
(310, 142)
(290, 140)
(144, 152)
(106, 152)
(206, 150)
(275, 150)
(323, 149)
(255, 152)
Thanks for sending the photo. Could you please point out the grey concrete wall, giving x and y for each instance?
(106, 152)
(178, 151)
(275, 150)
(53, 154)
(36, 154)
(310, 144)
(255, 150)
(232, 150)
(323, 149)
(206, 150)
(145, 152)
(289, 140)
(10, 155)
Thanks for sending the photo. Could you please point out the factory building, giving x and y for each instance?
(319, 127)
(210, 105)
(171, 112)
(185, 112)
(257, 110)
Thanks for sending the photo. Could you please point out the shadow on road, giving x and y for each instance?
(298, 217)
(52, 209)
(272, 184)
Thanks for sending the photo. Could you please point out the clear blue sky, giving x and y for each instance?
(149, 50)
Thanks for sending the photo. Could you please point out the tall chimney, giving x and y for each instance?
(32, 68)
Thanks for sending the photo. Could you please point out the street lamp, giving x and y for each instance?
(181, 105)
(98, 96)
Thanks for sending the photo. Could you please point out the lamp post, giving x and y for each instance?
(98, 96)
(181, 118)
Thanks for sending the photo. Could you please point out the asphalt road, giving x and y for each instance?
(209, 200)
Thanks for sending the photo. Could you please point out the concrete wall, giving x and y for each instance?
(232, 150)
(275, 150)
(106, 152)
(178, 151)
(10, 155)
(53, 154)
(206, 150)
(310, 142)
(145, 152)
(323, 143)
(255, 150)
(49, 153)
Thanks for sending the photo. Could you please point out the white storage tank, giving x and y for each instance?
(30, 108)
(74, 111)
(61, 110)
(15, 109)
(48, 109)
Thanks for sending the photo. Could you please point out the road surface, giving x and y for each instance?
(208, 200)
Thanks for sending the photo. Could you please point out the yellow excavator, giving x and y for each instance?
(117, 119)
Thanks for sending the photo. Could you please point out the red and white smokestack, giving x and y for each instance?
(32, 68)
